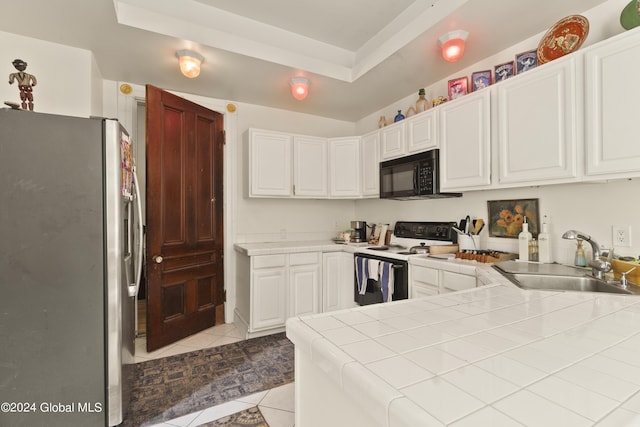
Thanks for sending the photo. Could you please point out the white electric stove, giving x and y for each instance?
(407, 234)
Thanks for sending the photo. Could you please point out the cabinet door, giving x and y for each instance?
(344, 167)
(268, 298)
(304, 289)
(465, 142)
(392, 141)
(269, 164)
(309, 166)
(612, 101)
(370, 164)
(451, 282)
(422, 131)
(537, 125)
(424, 281)
(337, 281)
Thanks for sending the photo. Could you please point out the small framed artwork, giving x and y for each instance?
(480, 79)
(507, 216)
(526, 61)
(504, 71)
(458, 87)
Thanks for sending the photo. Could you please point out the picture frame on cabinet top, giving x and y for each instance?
(458, 87)
(480, 80)
(526, 61)
(504, 71)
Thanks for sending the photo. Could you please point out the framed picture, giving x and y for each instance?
(504, 71)
(458, 87)
(507, 216)
(526, 61)
(480, 79)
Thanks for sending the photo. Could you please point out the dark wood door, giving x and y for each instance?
(184, 218)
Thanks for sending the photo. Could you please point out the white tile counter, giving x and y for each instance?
(287, 247)
(491, 356)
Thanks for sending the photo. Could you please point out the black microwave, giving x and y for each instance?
(412, 177)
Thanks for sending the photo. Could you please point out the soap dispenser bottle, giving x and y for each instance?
(523, 241)
(544, 243)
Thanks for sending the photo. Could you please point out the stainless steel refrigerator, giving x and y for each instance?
(70, 263)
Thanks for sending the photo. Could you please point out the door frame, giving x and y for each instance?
(127, 107)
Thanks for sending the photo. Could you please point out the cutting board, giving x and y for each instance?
(443, 249)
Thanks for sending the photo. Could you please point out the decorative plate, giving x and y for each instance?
(630, 16)
(566, 36)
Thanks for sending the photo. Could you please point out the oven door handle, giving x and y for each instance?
(416, 180)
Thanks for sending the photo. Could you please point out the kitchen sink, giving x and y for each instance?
(555, 277)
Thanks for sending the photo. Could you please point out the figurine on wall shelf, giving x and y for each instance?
(26, 82)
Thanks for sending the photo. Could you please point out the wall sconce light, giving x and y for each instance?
(189, 62)
(299, 87)
(452, 44)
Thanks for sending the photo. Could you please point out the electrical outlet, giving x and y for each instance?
(621, 235)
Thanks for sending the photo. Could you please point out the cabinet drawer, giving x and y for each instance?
(425, 275)
(457, 282)
(304, 258)
(267, 261)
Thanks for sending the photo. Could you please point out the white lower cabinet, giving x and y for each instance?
(272, 288)
(304, 284)
(269, 298)
(337, 281)
(451, 282)
(439, 279)
(424, 281)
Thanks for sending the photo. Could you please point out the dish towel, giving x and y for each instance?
(374, 269)
(362, 274)
(386, 280)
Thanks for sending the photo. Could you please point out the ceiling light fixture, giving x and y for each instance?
(189, 62)
(299, 87)
(452, 44)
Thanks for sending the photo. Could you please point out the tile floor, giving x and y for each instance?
(276, 405)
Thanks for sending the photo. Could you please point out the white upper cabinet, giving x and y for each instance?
(392, 142)
(537, 122)
(269, 164)
(310, 164)
(422, 131)
(612, 103)
(370, 164)
(344, 167)
(465, 142)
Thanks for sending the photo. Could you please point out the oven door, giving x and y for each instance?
(372, 285)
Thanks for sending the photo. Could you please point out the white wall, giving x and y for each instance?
(68, 79)
(591, 208)
(287, 219)
(604, 22)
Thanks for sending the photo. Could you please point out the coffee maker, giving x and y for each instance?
(359, 233)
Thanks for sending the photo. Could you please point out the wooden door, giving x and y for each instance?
(184, 218)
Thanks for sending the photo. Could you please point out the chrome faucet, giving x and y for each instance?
(598, 266)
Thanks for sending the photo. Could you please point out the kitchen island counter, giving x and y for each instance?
(491, 356)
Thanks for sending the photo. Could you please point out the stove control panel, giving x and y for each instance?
(425, 230)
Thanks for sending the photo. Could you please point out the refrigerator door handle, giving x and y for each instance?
(135, 287)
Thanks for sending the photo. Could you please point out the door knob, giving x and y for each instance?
(158, 259)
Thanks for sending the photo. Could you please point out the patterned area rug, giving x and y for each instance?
(251, 417)
(178, 385)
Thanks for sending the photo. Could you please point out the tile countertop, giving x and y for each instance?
(491, 356)
(272, 248)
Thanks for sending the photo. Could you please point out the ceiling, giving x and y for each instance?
(360, 55)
